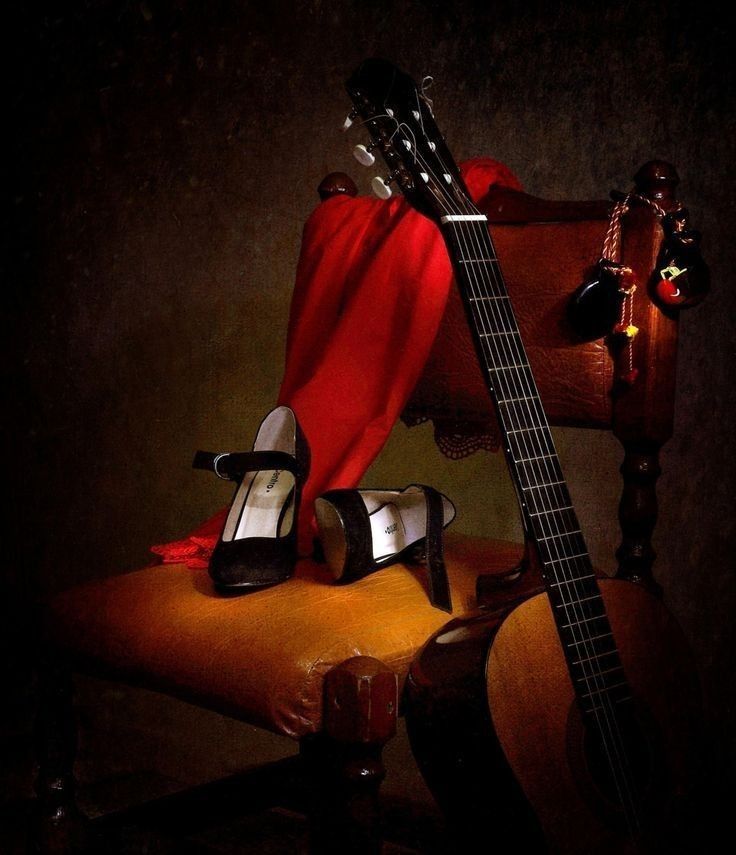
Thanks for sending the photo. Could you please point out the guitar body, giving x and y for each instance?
(503, 733)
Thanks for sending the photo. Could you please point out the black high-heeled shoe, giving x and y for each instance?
(364, 530)
(258, 543)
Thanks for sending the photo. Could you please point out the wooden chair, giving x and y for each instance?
(332, 684)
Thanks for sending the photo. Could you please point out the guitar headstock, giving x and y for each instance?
(399, 117)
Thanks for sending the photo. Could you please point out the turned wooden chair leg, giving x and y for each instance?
(345, 760)
(638, 514)
(57, 822)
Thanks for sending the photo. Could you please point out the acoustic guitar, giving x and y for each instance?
(565, 720)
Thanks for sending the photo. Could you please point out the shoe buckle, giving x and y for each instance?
(215, 463)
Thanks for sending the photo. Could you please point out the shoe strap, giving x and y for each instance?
(439, 586)
(232, 466)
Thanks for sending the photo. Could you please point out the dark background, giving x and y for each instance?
(165, 158)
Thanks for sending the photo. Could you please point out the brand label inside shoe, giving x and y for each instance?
(387, 531)
(258, 509)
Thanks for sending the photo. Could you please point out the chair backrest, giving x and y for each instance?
(546, 250)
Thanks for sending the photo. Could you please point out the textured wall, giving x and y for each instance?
(167, 159)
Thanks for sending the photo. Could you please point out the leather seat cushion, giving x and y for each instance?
(262, 657)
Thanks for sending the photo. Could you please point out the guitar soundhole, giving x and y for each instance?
(617, 762)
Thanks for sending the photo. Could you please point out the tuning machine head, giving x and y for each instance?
(362, 153)
(381, 186)
(349, 119)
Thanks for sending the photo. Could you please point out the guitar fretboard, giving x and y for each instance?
(577, 605)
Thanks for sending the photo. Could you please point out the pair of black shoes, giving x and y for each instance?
(360, 530)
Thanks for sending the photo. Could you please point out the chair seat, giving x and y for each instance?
(262, 657)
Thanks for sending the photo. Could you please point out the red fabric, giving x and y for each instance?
(364, 316)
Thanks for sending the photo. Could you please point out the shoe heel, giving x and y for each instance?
(333, 536)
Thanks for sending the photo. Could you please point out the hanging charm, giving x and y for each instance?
(604, 305)
(684, 278)
(595, 308)
(625, 330)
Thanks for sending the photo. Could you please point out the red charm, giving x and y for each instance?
(626, 280)
(629, 377)
(669, 292)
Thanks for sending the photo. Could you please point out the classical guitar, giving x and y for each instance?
(567, 719)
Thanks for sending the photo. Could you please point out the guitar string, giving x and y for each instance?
(601, 692)
(549, 523)
(449, 199)
(549, 519)
(551, 527)
(521, 359)
(504, 381)
(561, 528)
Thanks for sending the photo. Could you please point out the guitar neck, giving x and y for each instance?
(535, 468)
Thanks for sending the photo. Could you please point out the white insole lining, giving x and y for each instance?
(393, 528)
(262, 496)
(257, 506)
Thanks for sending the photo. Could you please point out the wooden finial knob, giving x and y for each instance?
(657, 180)
(360, 701)
(336, 183)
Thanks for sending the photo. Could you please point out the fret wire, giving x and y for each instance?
(612, 652)
(525, 440)
(563, 604)
(590, 638)
(598, 662)
(567, 558)
(551, 511)
(509, 400)
(540, 457)
(585, 620)
(607, 688)
(541, 497)
(509, 367)
(561, 593)
(596, 708)
(546, 497)
(604, 672)
(573, 581)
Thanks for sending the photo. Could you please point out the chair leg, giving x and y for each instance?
(345, 760)
(637, 513)
(57, 822)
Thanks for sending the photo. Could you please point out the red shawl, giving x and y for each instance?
(364, 315)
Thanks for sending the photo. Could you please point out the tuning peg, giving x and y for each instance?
(363, 154)
(381, 186)
(349, 119)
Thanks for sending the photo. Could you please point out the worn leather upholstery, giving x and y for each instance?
(575, 384)
(262, 656)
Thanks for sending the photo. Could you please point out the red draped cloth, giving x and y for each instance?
(371, 287)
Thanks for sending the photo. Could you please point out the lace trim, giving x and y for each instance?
(456, 438)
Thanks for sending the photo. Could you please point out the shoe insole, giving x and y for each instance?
(260, 508)
(394, 528)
